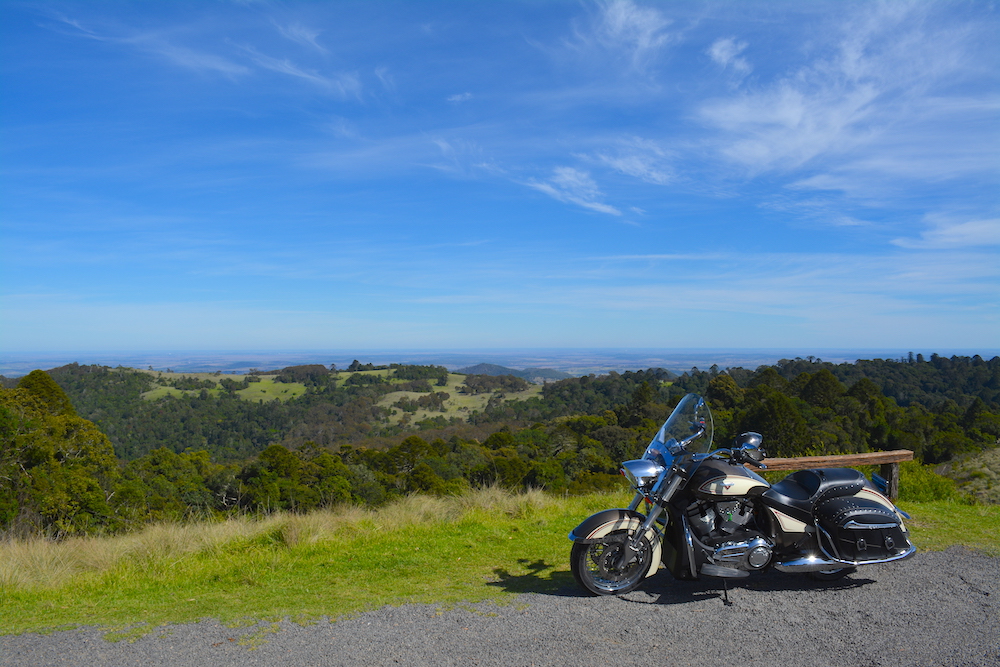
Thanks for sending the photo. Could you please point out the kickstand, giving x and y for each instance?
(725, 593)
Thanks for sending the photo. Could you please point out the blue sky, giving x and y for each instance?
(334, 175)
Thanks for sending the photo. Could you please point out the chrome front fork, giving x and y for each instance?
(631, 549)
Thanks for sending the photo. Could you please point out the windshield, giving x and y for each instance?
(689, 417)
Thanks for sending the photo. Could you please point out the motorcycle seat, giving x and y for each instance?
(799, 493)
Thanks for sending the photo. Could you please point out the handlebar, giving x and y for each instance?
(736, 456)
(687, 441)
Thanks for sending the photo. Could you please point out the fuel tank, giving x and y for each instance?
(717, 480)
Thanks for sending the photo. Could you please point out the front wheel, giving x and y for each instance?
(601, 569)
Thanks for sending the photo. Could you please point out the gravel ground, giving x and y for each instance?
(938, 608)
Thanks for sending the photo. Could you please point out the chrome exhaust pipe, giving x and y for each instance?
(810, 564)
(816, 563)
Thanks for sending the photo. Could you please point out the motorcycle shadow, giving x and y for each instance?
(543, 578)
(664, 589)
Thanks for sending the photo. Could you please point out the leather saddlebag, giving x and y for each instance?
(859, 530)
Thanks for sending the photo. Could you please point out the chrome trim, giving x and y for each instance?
(634, 505)
(816, 564)
(807, 564)
(819, 540)
(869, 526)
(686, 527)
(738, 553)
(640, 472)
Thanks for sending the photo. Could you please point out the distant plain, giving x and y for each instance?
(570, 360)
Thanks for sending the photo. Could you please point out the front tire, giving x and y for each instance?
(594, 565)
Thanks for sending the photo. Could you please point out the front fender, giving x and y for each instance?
(604, 522)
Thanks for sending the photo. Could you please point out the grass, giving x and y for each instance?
(485, 545)
(941, 524)
(977, 475)
(421, 549)
(268, 390)
(457, 405)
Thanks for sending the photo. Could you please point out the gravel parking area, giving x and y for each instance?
(938, 608)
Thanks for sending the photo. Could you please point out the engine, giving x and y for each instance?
(726, 529)
(752, 554)
(718, 520)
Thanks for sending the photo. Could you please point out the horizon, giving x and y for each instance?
(597, 174)
(574, 361)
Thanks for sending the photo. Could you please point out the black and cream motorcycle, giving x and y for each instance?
(707, 514)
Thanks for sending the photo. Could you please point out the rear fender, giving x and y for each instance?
(605, 522)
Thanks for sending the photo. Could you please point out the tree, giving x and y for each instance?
(823, 389)
(57, 470)
(774, 416)
(40, 385)
(724, 391)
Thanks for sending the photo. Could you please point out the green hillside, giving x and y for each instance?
(124, 447)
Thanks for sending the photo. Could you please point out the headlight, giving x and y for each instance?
(641, 473)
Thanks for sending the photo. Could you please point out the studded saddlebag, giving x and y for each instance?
(859, 530)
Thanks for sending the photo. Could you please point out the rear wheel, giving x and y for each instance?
(832, 575)
(602, 568)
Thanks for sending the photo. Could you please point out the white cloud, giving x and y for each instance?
(153, 43)
(461, 97)
(574, 187)
(788, 125)
(726, 52)
(972, 233)
(641, 31)
(388, 82)
(192, 58)
(642, 159)
(624, 32)
(346, 85)
(301, 34)
(872, 78)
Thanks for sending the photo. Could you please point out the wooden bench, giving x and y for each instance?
(888, 460)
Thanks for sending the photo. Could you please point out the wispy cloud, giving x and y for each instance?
(348, 161)
(462, 157)
(639, 31)
(573, 186)
(345, 85)
(301, 34)
(629, 37)
(865, 84)
(191, 58)
(726, 51)
(643, 159)
(951, 235)
(156, 44)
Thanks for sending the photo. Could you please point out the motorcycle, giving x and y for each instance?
(707, 514)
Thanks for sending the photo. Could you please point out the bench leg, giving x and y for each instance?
(890, 471)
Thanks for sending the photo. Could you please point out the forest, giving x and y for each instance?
(93, 449)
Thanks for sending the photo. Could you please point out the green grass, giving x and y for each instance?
(482, 546)
(458, 404)
(486, 545)
(977, 475)
(941, 524)
(268, 390)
